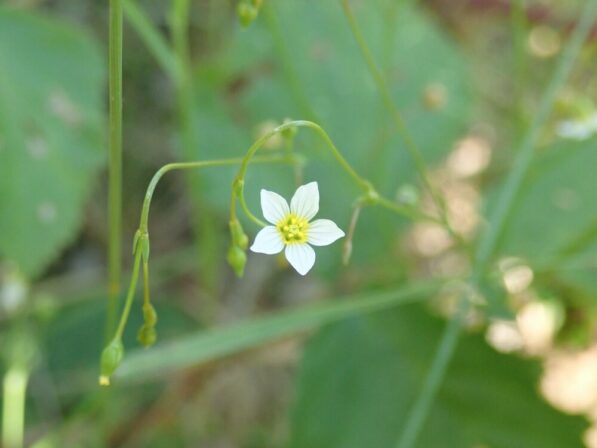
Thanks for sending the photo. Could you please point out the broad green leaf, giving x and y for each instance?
(359, 379)
(51, 134)
(219, 342)
(556, 205)
(554, 222)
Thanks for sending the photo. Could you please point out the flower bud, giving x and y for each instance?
(246, 13)
(237, 259)
(239, 237)
(147, 335)
(110, 360)
(150, 317)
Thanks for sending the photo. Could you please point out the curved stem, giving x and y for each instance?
(370, 194)
(143, 224)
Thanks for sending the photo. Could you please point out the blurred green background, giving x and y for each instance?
(467, 76)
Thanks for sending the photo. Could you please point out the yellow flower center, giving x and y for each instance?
(293, 229)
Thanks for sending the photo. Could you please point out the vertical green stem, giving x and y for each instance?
(13, 410)
(497, 222)
(115, 158)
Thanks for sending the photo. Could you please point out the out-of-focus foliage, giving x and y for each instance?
(51, 134)
(452, 74)
(359, 378)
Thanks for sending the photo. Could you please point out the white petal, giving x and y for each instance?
(274, 206)
(301, 257)
(322, 232)
(305, 202)
(268, 241)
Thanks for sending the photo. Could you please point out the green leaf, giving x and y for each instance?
(556, 206)
(208, 345)
(359, 378)
(51, 134)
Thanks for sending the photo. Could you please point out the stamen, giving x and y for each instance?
(293, 229)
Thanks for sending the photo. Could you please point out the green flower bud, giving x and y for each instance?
(237, 259)
(147, 335)
(150, 317)
(110, 360)
(246, 13)
(239, 237)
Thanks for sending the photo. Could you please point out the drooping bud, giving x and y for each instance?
(237, 259)
(147, 335)
(110, 360)
(239, 237)
(246, 13)
(150, 317)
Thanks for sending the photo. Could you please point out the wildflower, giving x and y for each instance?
(292, 228)
(578, 129)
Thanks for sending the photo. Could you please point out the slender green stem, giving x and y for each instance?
(434, 378)
(130, 296)
(497, 222)
(13, 410)
(153, 39)
(143, 223)
(401, 127)
(372, 196)
(115, 157)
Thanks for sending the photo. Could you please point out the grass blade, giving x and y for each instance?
(219, 342)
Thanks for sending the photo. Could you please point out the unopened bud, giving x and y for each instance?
(239, 237)
(150, 317)
(237, 259)
(147, 335)
(110, 360)
(246, 13)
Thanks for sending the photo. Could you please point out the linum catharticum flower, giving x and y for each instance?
(292, 229)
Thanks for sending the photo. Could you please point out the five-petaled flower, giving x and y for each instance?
(292, 227)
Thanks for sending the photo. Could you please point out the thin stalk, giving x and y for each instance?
(115, 158)
(143, 222)
(129, 296)
(371, 196)
(490, 237)
(401, 127)
(13, 409)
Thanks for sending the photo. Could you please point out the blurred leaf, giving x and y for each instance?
(208, 345)
(254, 88)
(73, 341)
(359, 379)
(554, 222)
(51, 134)
(555, 208)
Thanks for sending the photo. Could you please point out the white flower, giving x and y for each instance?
(292, 227)
(578, 129)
